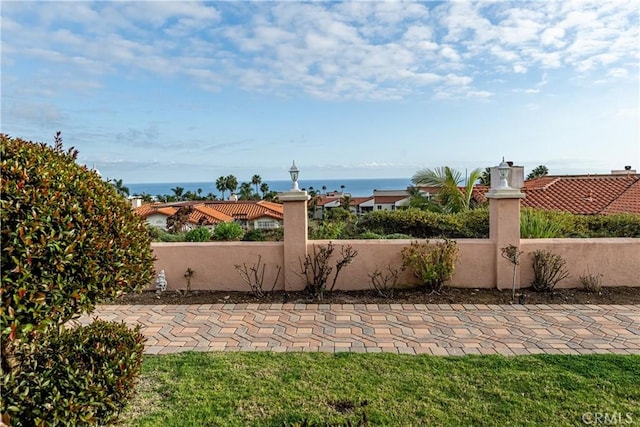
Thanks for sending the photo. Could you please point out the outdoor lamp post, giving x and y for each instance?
(503, 170)
(294, 172)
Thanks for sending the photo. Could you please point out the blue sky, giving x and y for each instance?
(188, 91)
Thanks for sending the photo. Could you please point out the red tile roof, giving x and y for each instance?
(215, 212)
(249, 210)
(584, 194)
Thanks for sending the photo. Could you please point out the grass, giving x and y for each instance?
(289, 389)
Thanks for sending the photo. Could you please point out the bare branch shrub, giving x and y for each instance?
(254, 276)
(591, 283)
(315, 268)
(512, 254)
(385, 282)
(548, 270)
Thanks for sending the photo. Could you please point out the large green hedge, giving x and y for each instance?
(474, 223)
(426, 224)
(68, 242)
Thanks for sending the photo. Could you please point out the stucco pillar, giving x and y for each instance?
(504, 224)
(295, 236)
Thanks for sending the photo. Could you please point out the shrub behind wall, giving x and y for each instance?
(475, 224)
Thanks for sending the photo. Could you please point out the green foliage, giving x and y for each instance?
(433, 264)
(370, 235)
(200, 234)
(157, 234)
(548, 270)
(396, 236)
(565, 224)
(255, 235)
(264, 235)
(535, 225)
(538, 172)
(325, 230)
(339, 214)
(474, 223)
(69, 240)
(426, 224)
(228, 231)
(450, 196)
(79, 377)
(616, 225)
(315, 269)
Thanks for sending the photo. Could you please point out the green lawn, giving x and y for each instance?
(276, 389)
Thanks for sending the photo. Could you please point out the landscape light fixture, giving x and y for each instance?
(294, 172)
(503, 170)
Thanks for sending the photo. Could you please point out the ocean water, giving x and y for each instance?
(356, 187)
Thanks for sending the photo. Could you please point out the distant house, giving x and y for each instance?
(249, 214)
(603, 194)
(390, 200)
(322, 203)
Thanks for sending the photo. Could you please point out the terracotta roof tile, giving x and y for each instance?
(247, 209)
(204, 215)
(584, 194)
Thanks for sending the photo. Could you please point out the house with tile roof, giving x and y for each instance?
(249, 214)
(585, 194)
(390, 199)
(593, 194)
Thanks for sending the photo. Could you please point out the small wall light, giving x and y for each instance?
(294, 172)
(503, 170)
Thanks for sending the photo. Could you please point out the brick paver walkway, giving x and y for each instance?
(399, 328)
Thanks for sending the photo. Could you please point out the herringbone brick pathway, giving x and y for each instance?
(399, 328)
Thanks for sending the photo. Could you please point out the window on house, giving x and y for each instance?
(267, 224)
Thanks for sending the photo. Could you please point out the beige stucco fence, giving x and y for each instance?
(480, 264)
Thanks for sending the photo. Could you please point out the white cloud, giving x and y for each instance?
(519, 69)
(329, 50)
(479, 94)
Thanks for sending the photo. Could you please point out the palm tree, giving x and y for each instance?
(324, 188)
(246, 192)
(231, 183)
(419, 200)
(178, 192)
(256, 180)
(450, 196)
(485, 179)
(120, 188)
(264, 188)
(221, 185)
(345, 200)
(538, 172)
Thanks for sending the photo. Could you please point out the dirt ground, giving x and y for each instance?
(618, 295)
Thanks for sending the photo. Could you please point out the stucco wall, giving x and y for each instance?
(617, 259)
(213, 263)
(473, 269)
